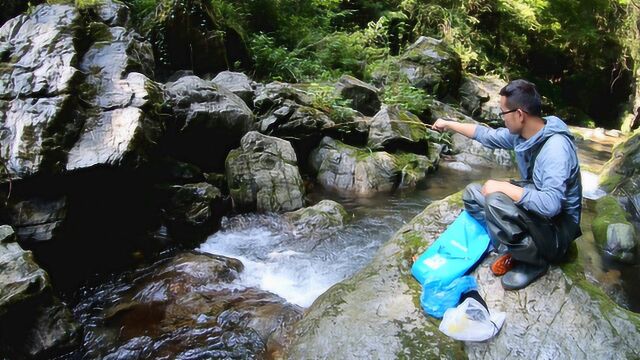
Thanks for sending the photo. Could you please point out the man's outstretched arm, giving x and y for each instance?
(467, 130)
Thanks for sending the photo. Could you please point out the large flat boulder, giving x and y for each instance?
(562, 315)
(185, 307)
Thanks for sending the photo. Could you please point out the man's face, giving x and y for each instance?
(514, 121)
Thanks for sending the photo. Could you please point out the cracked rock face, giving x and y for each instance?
(561, 315)
(395, 129)
(210, 121)
(37, 74)
(480, 96)
(364, 97)
(263, 175)
(348, 169)
(431, 65)
(117, 129)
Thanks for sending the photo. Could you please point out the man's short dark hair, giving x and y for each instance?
(522, 94)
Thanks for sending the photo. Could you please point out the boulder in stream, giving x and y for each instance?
(393, 128)
(612, 231)
(209, 121)
(185, 307)
(33, 323)
(262, 175)
(327, 216)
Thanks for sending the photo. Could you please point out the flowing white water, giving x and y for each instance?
(299, 268)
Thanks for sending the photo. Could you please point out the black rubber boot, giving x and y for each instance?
(522, 275)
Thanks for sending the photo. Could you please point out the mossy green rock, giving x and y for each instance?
(393, 128)
(323, 218)
(263, 175)
(623, 165)
(352, 170)
(431, 65)
(561, 315)
(612, 230)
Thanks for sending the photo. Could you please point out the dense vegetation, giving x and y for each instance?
(579, 52)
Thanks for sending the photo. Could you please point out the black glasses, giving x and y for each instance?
(503, 113)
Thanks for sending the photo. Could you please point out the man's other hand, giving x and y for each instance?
(512, 191)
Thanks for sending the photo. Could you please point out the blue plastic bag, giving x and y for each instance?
(459, 247)
(436, 298)
(441, 267)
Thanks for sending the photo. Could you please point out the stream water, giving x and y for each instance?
(277, 261)
(299, 269)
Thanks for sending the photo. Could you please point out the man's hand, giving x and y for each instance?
(512, 191)
(441, 125)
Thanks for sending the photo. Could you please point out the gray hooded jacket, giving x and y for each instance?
(556, 187)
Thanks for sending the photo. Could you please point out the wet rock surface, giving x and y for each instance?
(194, 211)
(35, 85)
(33, 323)
(364, 97)
(554, 317)
(184, 307)
(209, 121)
(394, 129)
(262, 175)
(480, 96)
(349, 169)
(431, 65)
(238, 83)
(323, 218)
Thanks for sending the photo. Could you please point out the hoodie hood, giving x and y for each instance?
(553, 125)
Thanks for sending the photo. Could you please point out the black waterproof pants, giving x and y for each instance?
(528, 237)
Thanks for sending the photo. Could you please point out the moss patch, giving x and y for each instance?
(608, 211)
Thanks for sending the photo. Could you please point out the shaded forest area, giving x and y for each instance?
(581, 53)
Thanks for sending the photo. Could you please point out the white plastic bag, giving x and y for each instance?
(470, 321)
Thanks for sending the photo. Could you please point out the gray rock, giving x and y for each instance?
(327, 216)
(456, 165)
(621, 241)
(211, 121)
(21, 279)
(412, 168)
(348, 169)
(113, 13)
(263, 175)
(473, 153)
(561, 315)
(293, 120)
(431, 65)
(238, 83)
(37, 219)
(276, 93)
(364, 97)
(29, 140)
(116, 137)
(395, 129)
(41, 53)
(480, 96)
(194, 211)
(117, 66)
(54, 331)
(621, 175)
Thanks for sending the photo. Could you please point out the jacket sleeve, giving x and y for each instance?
(551, 174)
(494, 138)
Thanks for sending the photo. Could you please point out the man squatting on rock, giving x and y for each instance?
(532, 221)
